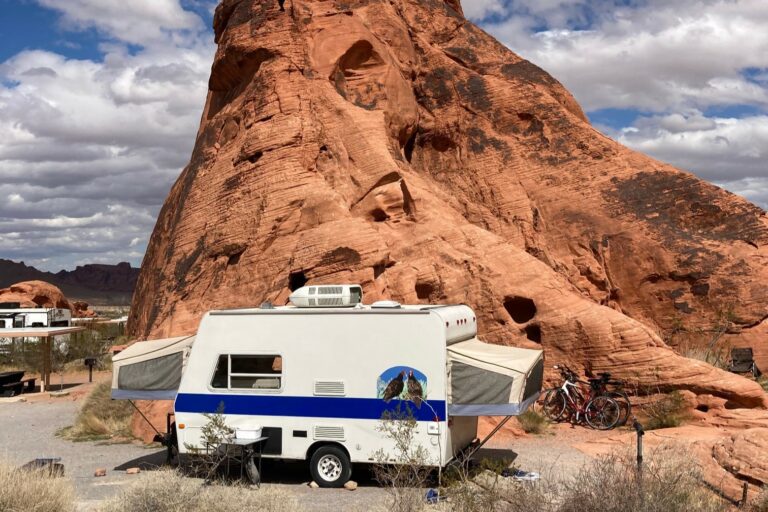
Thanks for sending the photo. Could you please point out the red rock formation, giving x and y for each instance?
(39, 294)
(395, 144)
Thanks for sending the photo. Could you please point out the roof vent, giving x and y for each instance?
(327, 296)
(386, 304)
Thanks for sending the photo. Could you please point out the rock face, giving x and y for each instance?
(103, 284)
(396, 145)
(39, 294)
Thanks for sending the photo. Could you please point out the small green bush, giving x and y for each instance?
(532, 422)
(34, 491)
(666, 412)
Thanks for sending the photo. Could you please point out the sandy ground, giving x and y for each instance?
(28, 432)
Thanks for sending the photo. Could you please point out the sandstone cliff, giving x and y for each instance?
(396, 145)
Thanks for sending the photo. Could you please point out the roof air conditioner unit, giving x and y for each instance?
(327, 296)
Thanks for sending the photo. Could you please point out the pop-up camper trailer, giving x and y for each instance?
(316, 378)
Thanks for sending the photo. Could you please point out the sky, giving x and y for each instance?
(100, 101)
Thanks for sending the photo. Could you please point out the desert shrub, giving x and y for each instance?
(169, 491)
(763, 381)
(717, 356)
(668, 411)
(669, 482)
(100, 417)
(404, 473)
(533, 422)
(208, 458)
(34, 491)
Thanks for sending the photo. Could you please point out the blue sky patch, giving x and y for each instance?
(24, 25)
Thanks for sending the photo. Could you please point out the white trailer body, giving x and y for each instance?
(329, 380)
(19, 318)
(312, 378)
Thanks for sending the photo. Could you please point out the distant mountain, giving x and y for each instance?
(96, 284)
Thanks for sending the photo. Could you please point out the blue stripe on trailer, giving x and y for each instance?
(305, 406)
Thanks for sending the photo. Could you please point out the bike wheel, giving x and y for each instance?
(626, 406)
(554, 404)
(602, 413)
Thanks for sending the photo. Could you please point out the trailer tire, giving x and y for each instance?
(330, 466)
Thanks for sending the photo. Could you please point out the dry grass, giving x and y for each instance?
(670, 482)
(168, 491)
(532, 422)
(34, 491)
(100, 417)
(717, 356)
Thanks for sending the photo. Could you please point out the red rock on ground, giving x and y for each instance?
(396, 145)
(39, 294)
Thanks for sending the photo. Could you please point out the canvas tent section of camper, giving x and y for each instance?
(150, 370)
(492, 380)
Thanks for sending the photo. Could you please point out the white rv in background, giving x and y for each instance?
(13, 316)
(317, 378)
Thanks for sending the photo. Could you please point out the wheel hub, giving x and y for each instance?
(329, 467)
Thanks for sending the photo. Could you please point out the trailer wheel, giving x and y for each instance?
(330, 466)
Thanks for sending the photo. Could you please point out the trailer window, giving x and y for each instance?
(248, 372)
(220, 375)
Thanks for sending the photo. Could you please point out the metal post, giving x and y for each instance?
(744, 495)
(640, 433)
(90, 373)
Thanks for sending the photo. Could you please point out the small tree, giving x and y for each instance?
(209, 457)
(403, 474)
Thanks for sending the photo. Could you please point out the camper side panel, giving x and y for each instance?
(339, 372)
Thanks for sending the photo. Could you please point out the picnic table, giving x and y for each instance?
(12, 383)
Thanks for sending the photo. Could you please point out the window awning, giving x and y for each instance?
(492, 380)
(150, 370)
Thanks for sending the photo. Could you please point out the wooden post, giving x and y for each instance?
(47, 364)
(42, 364)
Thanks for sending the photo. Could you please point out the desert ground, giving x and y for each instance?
(30, 424)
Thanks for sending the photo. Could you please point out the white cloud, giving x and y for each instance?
(728, 151)
(671, 62)
(140, 22)
(88, 150)
(480, 9)
(656, 56)
(755, 189)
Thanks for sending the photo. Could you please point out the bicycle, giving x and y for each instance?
(599, 411)
(600, 387)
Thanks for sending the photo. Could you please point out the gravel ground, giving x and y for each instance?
(28, 432)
